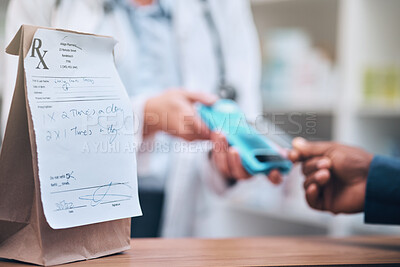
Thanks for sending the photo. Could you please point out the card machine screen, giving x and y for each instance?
(257, 152)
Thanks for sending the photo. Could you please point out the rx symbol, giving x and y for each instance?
(37, 44)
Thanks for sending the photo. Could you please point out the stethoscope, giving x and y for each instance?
(224, 89)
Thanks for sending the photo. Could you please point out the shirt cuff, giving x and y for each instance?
(382, 200)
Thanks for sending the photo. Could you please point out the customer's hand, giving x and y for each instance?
(173, 112)
(336, 175)
(228, 161)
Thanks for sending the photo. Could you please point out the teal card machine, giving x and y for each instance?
(257, 152)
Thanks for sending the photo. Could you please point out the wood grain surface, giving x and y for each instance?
(273, 251)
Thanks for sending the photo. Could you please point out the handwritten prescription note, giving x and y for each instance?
(83, 124)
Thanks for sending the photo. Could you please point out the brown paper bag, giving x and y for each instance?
(24, 232)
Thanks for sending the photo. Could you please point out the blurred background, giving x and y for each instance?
(332, 66)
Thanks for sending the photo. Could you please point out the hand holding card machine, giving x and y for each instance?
(257, 152)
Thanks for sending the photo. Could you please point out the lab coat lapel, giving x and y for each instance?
(195, 50)
(89, 12)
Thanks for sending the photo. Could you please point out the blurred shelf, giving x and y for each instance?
(317, 108)
(379, 112)
(260, 2)
(359, 34)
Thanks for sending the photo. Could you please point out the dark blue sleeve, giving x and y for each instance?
(382, 201)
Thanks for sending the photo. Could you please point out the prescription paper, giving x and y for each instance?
(83, 125)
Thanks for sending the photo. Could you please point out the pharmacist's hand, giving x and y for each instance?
(173, 112)
(228, 161)
(336, 175)
(227, 158)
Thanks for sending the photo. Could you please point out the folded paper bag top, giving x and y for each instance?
(63, 199)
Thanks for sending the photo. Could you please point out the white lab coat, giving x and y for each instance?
(192, 180)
